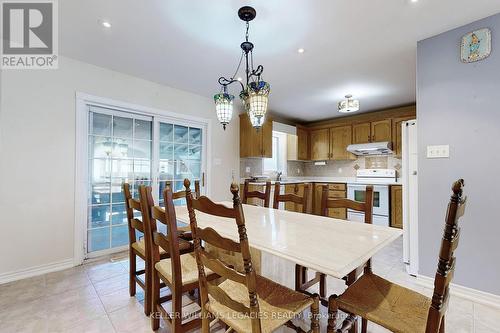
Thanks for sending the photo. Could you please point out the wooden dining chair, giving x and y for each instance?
(301, 282)
(246, 302)
(264, 196)
(291, 197)
(178, 272)
(138, 248)
(395, 307)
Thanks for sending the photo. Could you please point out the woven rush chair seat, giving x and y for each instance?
(189, 268)
(380, 301)
(140, 246)
(278, 305)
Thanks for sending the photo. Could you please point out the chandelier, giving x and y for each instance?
(348, 105)
(254, 91)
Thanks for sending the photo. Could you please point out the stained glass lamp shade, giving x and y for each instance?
(255, 99)
(224, 108)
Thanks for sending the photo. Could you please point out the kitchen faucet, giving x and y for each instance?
(278, 175)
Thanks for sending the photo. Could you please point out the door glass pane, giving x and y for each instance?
(166, 132)
(195, 136)
(122, 127)
(100, 146)
(100, 124)
(180, 134)
(98, 239)
(119, 151)
(166, 151)
(143, 129)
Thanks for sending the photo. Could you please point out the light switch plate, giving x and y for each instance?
(442, 151)
(247, 169)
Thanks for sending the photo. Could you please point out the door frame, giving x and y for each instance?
(82, 101)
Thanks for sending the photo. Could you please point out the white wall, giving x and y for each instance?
(37, 152)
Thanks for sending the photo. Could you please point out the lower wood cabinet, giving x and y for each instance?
(297, 189)
(335, 190)
(397, 206)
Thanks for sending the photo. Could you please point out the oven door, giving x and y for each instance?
(357, 192)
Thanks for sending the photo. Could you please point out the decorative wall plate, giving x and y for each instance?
(476, 45)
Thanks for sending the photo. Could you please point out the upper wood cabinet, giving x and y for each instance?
(397, 134)
(302, 144)
(331, 143)
(381, 130)
(256, 143)
(361, 133)
(320, 144)
(375, 131)
(340, 138)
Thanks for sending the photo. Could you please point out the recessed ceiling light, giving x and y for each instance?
(301, 50)
(106, 24)
(239, 79)
(414, 1)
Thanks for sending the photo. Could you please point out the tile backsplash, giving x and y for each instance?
(331, 169)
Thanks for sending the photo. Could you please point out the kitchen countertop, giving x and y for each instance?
(347, 180)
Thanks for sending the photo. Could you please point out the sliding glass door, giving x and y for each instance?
(139, 150)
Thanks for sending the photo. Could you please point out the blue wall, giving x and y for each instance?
(459, 104)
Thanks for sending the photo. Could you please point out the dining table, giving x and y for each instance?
(331, 246)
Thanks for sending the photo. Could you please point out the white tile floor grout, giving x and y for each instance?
(94, 298)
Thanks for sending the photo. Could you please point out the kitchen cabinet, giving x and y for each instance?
(256, 143)
(292, 147)
(320, 144)
(337, 190)
(361, 133)
(302, 144)
(297, 189)
(376, 131)
(340, 138)
(397, 135)
(397, 206)
(381, 130)
(331, 143)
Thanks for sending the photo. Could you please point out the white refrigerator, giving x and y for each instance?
(410, 195)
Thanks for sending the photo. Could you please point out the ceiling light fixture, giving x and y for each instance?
(414, 1)
(348, 105)
(301, 50)
(254, 93)
(106, 24)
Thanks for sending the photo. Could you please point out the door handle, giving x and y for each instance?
(203, 179)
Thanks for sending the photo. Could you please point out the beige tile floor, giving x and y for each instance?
(94, 298)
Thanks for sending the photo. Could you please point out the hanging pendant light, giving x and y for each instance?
(255, 94)
(224, 108)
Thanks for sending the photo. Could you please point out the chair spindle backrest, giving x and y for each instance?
(446, 262)
(205, 259)
(134, 223)
(291, 197)
(265, 196)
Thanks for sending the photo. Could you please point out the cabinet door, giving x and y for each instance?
(320, 145)
(340, 138)
(397, 206)
(303, 144)
(382, 130)
(267, 138)
(291, 147)
(361, 133)
(250, 138)
(397, 135)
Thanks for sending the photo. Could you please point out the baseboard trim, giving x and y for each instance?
(36, 270)
(474, 295)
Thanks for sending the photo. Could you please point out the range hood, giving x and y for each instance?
(374, 148)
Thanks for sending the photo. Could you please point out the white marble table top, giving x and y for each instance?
(331, 246)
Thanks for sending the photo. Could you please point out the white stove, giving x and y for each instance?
(379, 178)
(376, 176)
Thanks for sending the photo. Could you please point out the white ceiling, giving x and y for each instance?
(363, 47)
